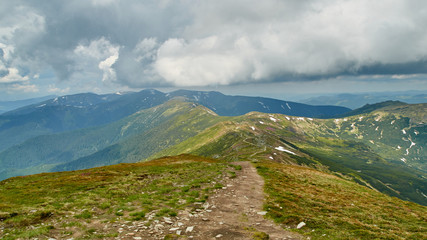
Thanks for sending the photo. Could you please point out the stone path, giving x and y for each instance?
(234, 212)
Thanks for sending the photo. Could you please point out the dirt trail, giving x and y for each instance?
(233, 212)
(236, 212)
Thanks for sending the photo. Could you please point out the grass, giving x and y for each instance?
(334, 208)
(124, 192)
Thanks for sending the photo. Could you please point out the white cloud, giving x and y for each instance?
(99, 51)
(13, 76)
(198, 63)
(146, 50)
(26, 88)
(249, 42)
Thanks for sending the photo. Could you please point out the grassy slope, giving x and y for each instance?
(396, 132)
(70, 203)
(333, 205)
(335, 208)
(256, 136)
(183, 120)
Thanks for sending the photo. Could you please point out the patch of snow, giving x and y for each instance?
(271, 158)
(360, 118)
(376, 129)
(118, 93)
(262, 104)
(288, 118)
(371, 141)
(41, 106)
(403, 131)
(412, 144)
(253, 128)
(55, 100)
(416, 132)
(392, 122)
(261, 122)
(407, 151)
(196, 97)
(311, 119)
(282, 149)
(288, 106)
(273, 119)
(300, 118)
(337, 120)
(403, 160)
(345, 119)
(283, 107)
(399, 147)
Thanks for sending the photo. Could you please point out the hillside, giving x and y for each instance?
(291, 140)
(71, 113)
(396, 132)
(186, 195)
(137, 136)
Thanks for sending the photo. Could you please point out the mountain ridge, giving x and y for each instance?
(80, 111)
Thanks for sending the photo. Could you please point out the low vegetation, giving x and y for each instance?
(335, 208)
(70, 204)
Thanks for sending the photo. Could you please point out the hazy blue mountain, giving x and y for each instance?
(354, 101)
(70, 113)
(138, 136)
(225, 105)
(6, 106)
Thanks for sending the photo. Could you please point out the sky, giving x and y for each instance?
(274, 48)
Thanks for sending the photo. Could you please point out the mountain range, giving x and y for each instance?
(380, 147)
(80, 111)
(354, 101)
(6, 106)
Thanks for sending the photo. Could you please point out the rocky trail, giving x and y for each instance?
(233, 212)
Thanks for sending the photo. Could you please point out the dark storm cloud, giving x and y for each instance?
(199, 43)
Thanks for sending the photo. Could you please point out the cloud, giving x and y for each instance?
(53, 89)
(107, 43)
(27, 88)
(98, 54)
(13, 76)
